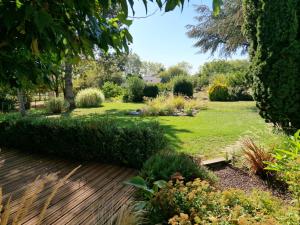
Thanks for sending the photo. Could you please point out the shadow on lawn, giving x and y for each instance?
(172, 134)
(123, 119)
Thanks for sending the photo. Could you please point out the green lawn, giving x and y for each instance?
(212, 132)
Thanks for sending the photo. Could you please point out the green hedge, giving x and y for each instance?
(99, 139)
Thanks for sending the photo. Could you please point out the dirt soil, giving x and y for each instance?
(231, 177)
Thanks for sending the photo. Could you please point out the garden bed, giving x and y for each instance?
(232, 177)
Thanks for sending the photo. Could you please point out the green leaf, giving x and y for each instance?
(124, 7)
(159, 3)
(217, 7)
(171, 4)
(146, 5)
(138, 182)
(18, 4)
(42, 19)
(160, 183)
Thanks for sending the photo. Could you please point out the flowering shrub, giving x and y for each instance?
(198, 203)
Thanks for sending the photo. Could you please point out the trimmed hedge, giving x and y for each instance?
(97, 139)
(183, 86)
(151, 91)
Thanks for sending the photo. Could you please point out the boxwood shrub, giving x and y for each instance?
(99, 139)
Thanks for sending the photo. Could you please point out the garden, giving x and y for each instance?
(217, 146)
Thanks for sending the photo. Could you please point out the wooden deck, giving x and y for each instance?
(90, 196)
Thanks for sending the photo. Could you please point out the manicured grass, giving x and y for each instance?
(110, 108)
(211, 132)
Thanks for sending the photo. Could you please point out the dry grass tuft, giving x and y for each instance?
(129, 215)
(30, 195)
(256, 156)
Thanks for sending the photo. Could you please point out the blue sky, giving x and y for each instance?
(162, 37)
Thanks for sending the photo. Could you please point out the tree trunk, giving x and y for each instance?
(69, 95)
(21, 98)
(56, 92)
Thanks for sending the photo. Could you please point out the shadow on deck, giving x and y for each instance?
(90, 196)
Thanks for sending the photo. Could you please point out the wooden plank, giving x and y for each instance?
(76, 200)
(86, 199)
(102, 204)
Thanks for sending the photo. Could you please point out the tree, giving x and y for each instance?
(210, 69)
(133, 64)
(273, 30)
(222, 32)
(32, 29)
(94, 73)
(151, 68)
(180, 69)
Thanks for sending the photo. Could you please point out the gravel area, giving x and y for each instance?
(231, 177)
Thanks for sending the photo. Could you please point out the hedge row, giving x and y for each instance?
(101, 139)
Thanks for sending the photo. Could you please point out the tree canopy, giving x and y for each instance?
(222, 32)
(30, 30)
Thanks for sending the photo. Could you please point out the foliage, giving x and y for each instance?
(222, 33)
(56, 105)
(210, 69)
(183, 86)
(111, 90)
(141, 184)
(135, 89)
(180, 69)
(151, 68)
(151, 91)
(287, 163)
(275, 64)
(168, 105)
(30, 196)
(133, 64)
(94, 73)
(218, 92)
(7, 99)
(163, 165)
(257, 157)
(197, 202)
(90, 97)
(85, 138)
(57, 27)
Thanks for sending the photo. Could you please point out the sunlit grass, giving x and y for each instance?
(211, 132)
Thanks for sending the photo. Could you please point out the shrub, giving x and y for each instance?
(90, 97)
(218, 92)
(55, 105)
(135, 89)
(92, 138)
(240, 94)
(111, 90)
(275, 64)
(257, 157)
(151, 91)
(183, 86)
(287, 164)
(7, 103)
(163, 165)
(198, 202)
(168, 105)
